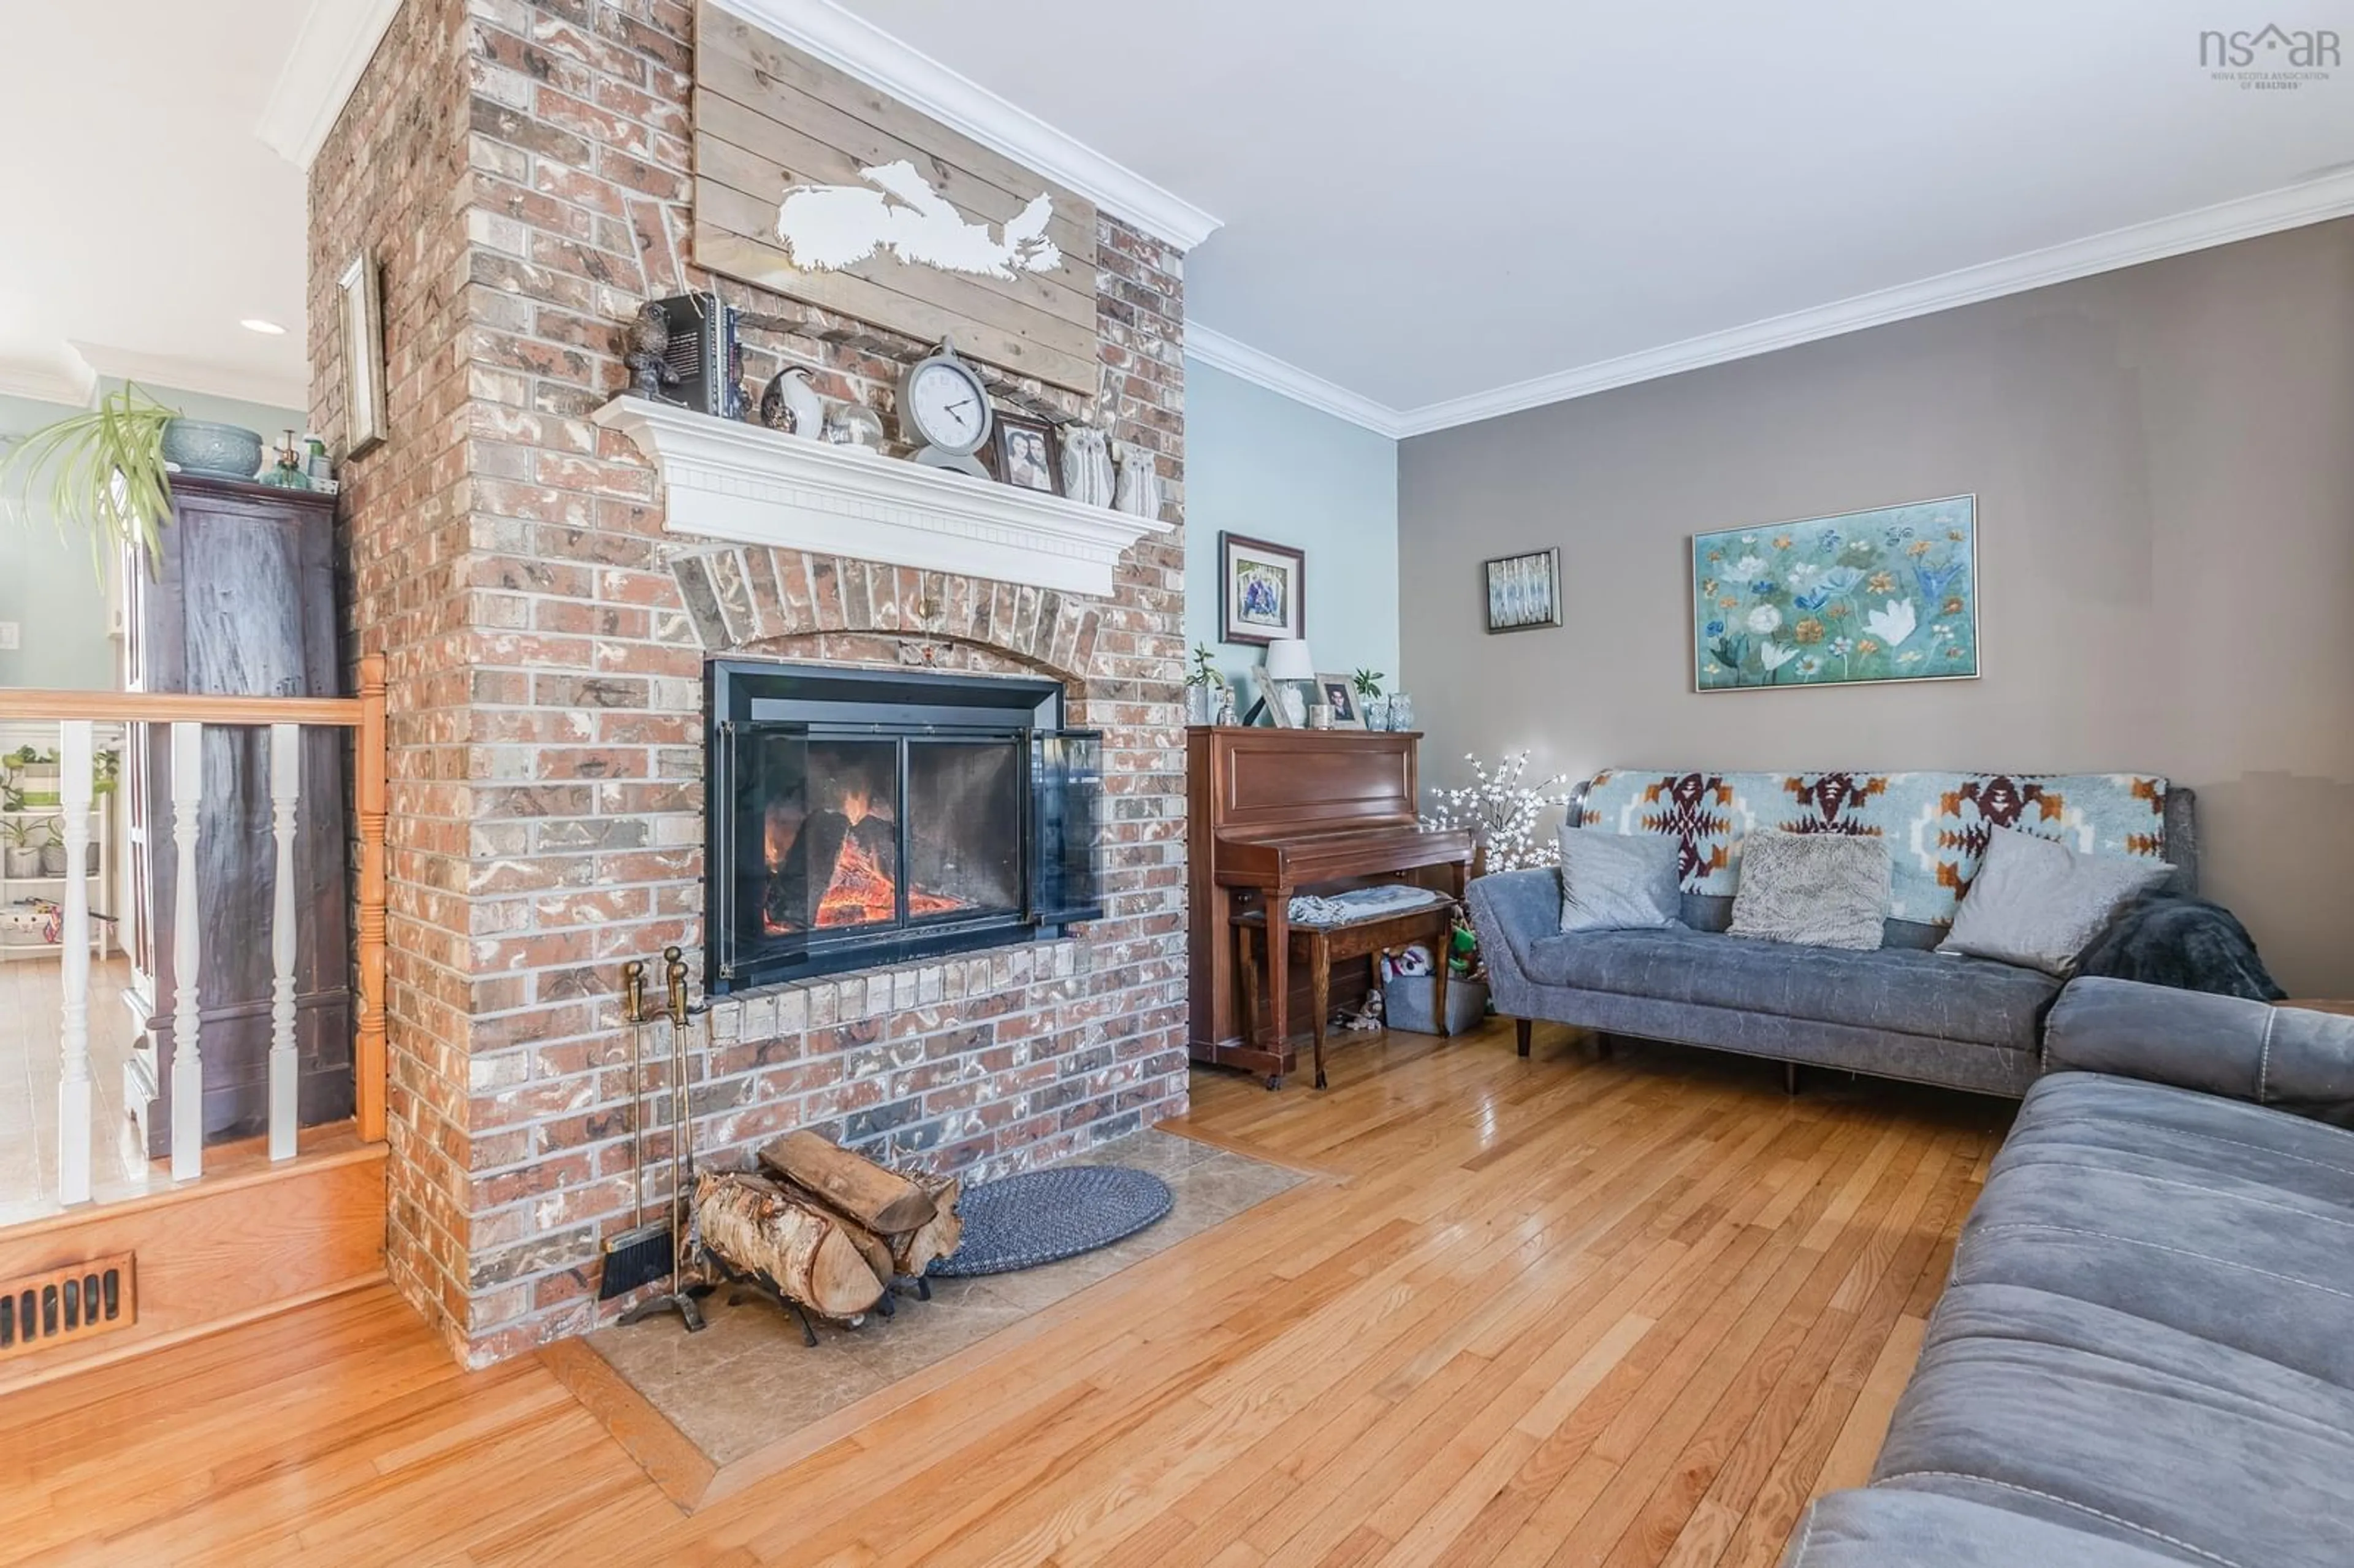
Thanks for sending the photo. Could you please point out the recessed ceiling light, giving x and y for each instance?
(269, 329)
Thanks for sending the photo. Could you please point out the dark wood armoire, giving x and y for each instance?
(242, 601)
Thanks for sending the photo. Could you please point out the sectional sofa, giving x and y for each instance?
(2145, 1353)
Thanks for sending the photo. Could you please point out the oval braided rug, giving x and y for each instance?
(1043, 1216)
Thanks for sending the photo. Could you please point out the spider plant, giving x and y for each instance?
(101, 472)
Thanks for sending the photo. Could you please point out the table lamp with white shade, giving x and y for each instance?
(1288, 659)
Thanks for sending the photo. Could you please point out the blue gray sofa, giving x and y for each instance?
(2145, 1353)
(1900, 1012)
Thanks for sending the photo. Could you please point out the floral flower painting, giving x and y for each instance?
(1886, 595)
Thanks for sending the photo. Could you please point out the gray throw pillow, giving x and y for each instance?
(1618, 882)
(2038, 904)
(1820, 890)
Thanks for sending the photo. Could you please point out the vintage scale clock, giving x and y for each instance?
(944, 411)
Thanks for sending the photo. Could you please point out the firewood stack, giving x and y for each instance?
(830, 1229)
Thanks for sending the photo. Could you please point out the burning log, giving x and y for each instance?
(806, 1252)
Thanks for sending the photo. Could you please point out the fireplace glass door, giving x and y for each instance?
(845, 847)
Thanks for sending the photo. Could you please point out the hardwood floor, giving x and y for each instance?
(1562, 1311)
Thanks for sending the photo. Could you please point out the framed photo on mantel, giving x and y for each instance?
(1262, 591)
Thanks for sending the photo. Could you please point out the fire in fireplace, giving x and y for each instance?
(860, 819)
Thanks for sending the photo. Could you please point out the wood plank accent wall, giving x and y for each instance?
(767, 117)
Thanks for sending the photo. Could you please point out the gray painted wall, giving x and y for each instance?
(2164, 462)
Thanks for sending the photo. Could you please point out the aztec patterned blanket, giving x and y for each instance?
(1936, 824)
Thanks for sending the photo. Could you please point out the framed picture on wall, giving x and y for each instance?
(1890, 594)
(1524, 591)
(1262, 591)
(360, 305)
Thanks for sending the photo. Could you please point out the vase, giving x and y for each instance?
(1201, 703)
(1377, 713)
(1401, 712)
(20, 863)
(53, 859)
(200, 446)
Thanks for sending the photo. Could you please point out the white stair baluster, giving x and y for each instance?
(75, 745)
(187, 954)
(285, 792)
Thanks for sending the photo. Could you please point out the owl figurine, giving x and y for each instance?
(1138, 490)
(1086, 466)
(791, 404)
(648, 353)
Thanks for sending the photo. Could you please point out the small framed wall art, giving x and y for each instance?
(1524, 591)
(1262, 591)
(360, 303)
(1022, 450)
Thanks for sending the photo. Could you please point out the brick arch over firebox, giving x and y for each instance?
(759, 599)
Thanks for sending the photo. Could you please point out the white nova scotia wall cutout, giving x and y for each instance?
(828, 227)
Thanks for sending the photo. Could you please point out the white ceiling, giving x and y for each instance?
(145, 219)
(1429, 214)
(1424, 204)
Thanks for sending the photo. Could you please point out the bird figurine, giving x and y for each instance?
(1086, 466)
(648, 352)
(792, 404)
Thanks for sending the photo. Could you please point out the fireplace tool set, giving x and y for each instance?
(849, 1233)
(646, 1252)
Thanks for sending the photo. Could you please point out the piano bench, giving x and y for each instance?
(1321, 947)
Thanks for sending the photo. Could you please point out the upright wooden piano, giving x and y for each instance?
(1271, 812)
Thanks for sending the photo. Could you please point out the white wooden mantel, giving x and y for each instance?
(750, 486)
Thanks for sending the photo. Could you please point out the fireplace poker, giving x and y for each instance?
(682, 1298)
(643, 1253)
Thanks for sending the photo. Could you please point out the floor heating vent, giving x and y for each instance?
(75, 1301)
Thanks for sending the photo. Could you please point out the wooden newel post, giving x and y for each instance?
(368, 794)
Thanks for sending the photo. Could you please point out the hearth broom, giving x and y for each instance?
(682, 1296)
(643, 1253)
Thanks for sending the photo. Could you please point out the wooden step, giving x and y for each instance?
(249, 1239)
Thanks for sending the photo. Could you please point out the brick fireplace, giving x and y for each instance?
(521, 171)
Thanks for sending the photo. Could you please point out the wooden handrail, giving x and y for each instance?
(179, 707)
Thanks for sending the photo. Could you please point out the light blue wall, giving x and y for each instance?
(48, 583)
(1259, 464)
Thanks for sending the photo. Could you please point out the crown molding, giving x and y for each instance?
(153, 371)
(2290, 206)
(331, 48)
(856, 46)
(1215, 349)
(73, 386)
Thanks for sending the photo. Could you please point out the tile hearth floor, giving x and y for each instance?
(745, 1388)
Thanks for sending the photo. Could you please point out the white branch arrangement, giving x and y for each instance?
(1503, 814)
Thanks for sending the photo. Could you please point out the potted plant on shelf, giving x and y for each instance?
(1369, 706)
(107, 471)
(20, 847)
(53, 846)
(32, 778)
(1203, 686)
